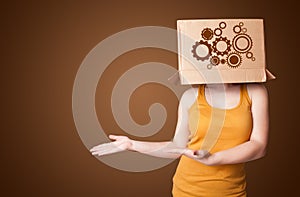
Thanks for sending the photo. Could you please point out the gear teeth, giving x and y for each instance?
(247, 37)
(194, 47)
(207, 34)
(224, 39)
(215, 60)
(233, 64)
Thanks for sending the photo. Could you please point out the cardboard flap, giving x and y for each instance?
(270, 76)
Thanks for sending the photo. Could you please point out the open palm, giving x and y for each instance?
(121, 143)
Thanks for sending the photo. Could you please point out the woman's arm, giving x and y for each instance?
(122, 143)
(158, 149)
(253, 149)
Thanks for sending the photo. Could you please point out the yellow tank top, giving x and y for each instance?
(193, 179)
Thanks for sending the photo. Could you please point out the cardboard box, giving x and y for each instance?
(221, 51)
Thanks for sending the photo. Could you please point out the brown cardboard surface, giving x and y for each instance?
(221, 51)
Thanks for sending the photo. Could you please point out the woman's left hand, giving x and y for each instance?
(201, 156)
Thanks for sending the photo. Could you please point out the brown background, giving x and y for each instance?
(42, 47)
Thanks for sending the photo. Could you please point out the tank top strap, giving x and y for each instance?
(245, 96)
(201, 94)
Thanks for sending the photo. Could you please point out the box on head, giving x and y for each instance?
(221, 51)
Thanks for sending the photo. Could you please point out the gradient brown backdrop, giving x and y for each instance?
(42, 47)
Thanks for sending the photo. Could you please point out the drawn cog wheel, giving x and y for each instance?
(242, 43)
(215, 60)
(237, 29)
(221, 46)
(201, 50)
(218, 32)
(234, 60)
(207, 34)
(222, 25)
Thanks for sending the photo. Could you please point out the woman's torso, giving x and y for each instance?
(214, 129)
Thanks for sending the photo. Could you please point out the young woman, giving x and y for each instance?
(216, 169)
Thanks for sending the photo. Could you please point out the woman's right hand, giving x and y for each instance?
(121, 143)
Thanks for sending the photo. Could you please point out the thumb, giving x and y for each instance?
(113, 137)
(202, 153)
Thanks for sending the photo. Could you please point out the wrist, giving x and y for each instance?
(215, 159)
(131, 146)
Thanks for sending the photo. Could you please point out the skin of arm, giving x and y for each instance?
(253, 149)
(158, 149)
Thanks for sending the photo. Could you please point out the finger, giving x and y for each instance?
(114, 146)
(107, 151)
(102, 152)
(103, 147)
(113, 137)
(190, 153)
(202, 153)
(109, 145)
(100, 146)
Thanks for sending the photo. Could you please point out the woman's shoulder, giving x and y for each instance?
(256, 90)
(191, 92)
(190, 95)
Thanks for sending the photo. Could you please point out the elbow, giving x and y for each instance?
(261, 153)
(259, 148)
(264, 152)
